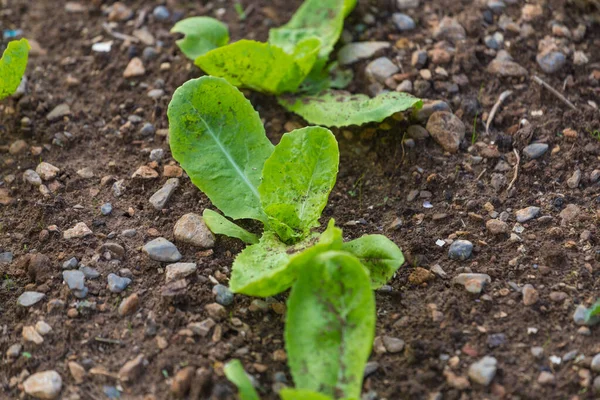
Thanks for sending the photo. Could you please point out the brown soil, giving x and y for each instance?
(377, 173)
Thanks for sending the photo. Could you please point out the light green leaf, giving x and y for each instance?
(12, 66)
(301, 394)
(349, 6)
(270, 267)
(261, 66)
(202, 34)
(297, 180)
(220, 225)
(330, 325)
(323, 19)
(234, 371)
(220, 142)
(339, 108)
(330, 77)
(379, 255)
(592, 316)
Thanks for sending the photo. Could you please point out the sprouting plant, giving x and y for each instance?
(592, 316)
(595, 133)
(293, 65)
(239, 9)
(12, 66)
(220, 142)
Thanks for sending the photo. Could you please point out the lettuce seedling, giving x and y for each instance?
(12, 66)
(293, 62)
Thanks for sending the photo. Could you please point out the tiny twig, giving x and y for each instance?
(120, 36)
(501, 99)
(514, 179)
(108, 341)
(481, 174)
(554, 92)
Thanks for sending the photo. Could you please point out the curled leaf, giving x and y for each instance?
(202, 34)
(220, 225)
(234, 371)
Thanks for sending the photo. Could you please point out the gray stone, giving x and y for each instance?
(71, 263)
(597, 384)
(89, 272)
(595, 176)
(450, 29)
(551, 61)
(595, 365)
(392, 344)
(573, 181)
(14, 351)
(483, 371)
(418, 59)
(447, 130)
(460, 250)
(526, 214)
(149, 53)
(116, 284)
(353, 52)
(503, 65)
(75, 280)
(46, 171)
(118, 188)
(161, 13)
(129, 233)
(6, 258)
(147, 129)
(115, 249)
(27, 299)
(178, 271)
(380, 69)
(191, 229)
(405, 86)
(157, 154)
(86, 173)
(32, 177)
(537, 352)
(494, 41)
(106, 208)
(474, 283)
(80, 230)
(430, 107)
(403, 22)
(370, 368)
(60, 111)
(223, 295)
(535, 150)
(160, 249)
(156, 93)
(496, 340)
(162, 196)
(43, 385)
(407, 4)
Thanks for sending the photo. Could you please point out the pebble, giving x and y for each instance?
(216, 311)
(86, 173)
(595, 365)
(595, 176)
(558, 297)
(580, 314)
(58, 112)
(526, 214)
(71, 263)
(551, 61)
(106, 208)
(80, 230)
(43, 385)
(134, 68)
(161, 13)
(31, 335)
(450, 29)
(116, 284)
(370, 368)
(353, 52)
(494, 41)
(149, 53)
(28, 299)
(530, 295)
(191, 229)
(18, 147)
(474, 283)
(118, 188)
(569, 214)
(43, 328)
(156, 93)
(483, 371)
(182, 382)
(32, 177)
(147, 129)
(405, 86)
(177, 271)
(447, 129)
(132, 369)
(77, 372)
(223, 295)
(537, 352)
(129, 233)
(392, 344)
(129, 305)
(439, 271)
(503, 65)
(157, 154)
(201, 328)
(496, 340)
(419, 276)
(89, 272)
(418, 59)
(380, 69)
(573, 181)
(403, 22)
(497, 227)
(430, 107)
(160, 249)
(546, 378)
(407, 4)
(145, 172)
(119, 12)
(6, 258)
(597, 384)
(535, 150)
(74, 279)
(161, 197)
(460, 250)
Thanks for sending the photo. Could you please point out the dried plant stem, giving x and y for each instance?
(514, 179)
(555, 92)
(501, 99)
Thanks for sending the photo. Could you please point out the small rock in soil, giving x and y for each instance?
(145, 172)
(546, 378)
(182, 382)
(223, 295)
(439, 271)
(86, 173)
(353, 52)
(106, 208)
(77, 372)
(447, 129)
(503, 65)
(43, 328)
(75, 280)
(460, 250)
(43, 385)
(157, 154)
(191, 229)
(483, 371)
(129, 305)
(474, 283)
(89, 272)
(119, 12)
(569, 214)
(202, 328)
(537, 352)
(60, 111)
(14, 351)
(407, 4)
(17, 147)
(27, 299)
(455, 381)
(526, 214)
(147, 129)
(403, 22)
(216, 311)
(380, 69)
(160, 249)
(535, 150)
(118, 188)
(496, 340)
(116, 284)
(161, 13)
(134, 68)
(595, 365)
(71, 263)
(132, 369)
(161, 197)
(31, 335)
(419, 276)
(497, 227)
(450, 29)
(392, 344)
(370, 368)
(32, 177)
(551, 61)
(530, 295)
(178, 271)
(80, 230)
(573, 181)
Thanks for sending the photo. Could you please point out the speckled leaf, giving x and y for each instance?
(301, 394)
(330, 325)
(261, 66)
(220, 225)
(270, 267)
(12, 66)
(234, 371)
(220, 142)
(202, 34)
(379, 255)
(297, 180)
(339, 108)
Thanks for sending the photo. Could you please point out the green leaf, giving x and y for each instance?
(297, 180)
(593, 314)
(220, 142)
(379, 255)
(261, 66)
(202, 34)
(339, 108)
(271, 267)
(220, 225)
(12, 66)
(323, 19)
(330, 325)
(234, 371)
(301, 394)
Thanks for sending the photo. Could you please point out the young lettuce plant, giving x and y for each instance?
(12, 66)
(293, 62)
